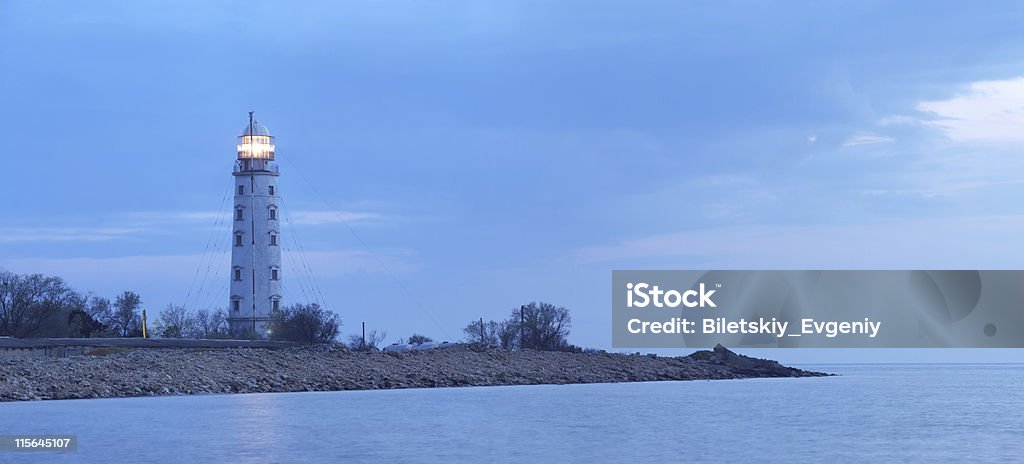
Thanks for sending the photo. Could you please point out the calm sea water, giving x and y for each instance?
(872, 413)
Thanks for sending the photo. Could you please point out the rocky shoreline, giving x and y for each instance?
(157, 372)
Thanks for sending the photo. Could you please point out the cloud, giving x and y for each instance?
(942, 188)
(330, 217)
(983, 120)
(328, 263)
(297, 217)
(117, 226)
(866, 139)
(204, 278)
(66, 234)
(124, 269)
(163, 217)
(209, 217)
(973, 243)
(142, 224)
(988, 111)
(899, 119)
(339, 263)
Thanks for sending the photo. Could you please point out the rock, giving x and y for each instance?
(147, 372)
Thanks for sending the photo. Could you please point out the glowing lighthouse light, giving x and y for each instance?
(256, 142)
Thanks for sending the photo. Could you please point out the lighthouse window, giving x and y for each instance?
(238, 274)
(273, 239)
(236, 305)
(275, 305)
(271, 189)
(241, 190)
(273, 274)
(273, 213)
(238, 239)
(238, 214)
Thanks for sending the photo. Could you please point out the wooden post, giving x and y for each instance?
(143, 323)
(362, 345)
(482, 338)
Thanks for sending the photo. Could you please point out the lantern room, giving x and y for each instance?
(255, 143)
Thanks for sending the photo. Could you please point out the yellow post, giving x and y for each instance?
(143, 323)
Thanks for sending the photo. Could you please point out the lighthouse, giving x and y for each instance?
(256, 251)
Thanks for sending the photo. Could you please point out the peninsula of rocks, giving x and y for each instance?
(154, 372)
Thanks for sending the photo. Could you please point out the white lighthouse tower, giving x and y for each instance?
(256, 251)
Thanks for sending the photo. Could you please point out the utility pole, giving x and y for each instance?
(362, 344)
(482, 338)
(522, 327)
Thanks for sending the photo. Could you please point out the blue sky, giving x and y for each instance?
(496, 153)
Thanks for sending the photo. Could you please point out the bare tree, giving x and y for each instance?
(34, 305)
(210, 325)
(305, 324)
(81, 322)
(508, 334)
(126, 319)
(482, 332)
(536, 326)
(416, 339)
(175, 322)
(372, 341)
(99, 308)
(542, 326)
